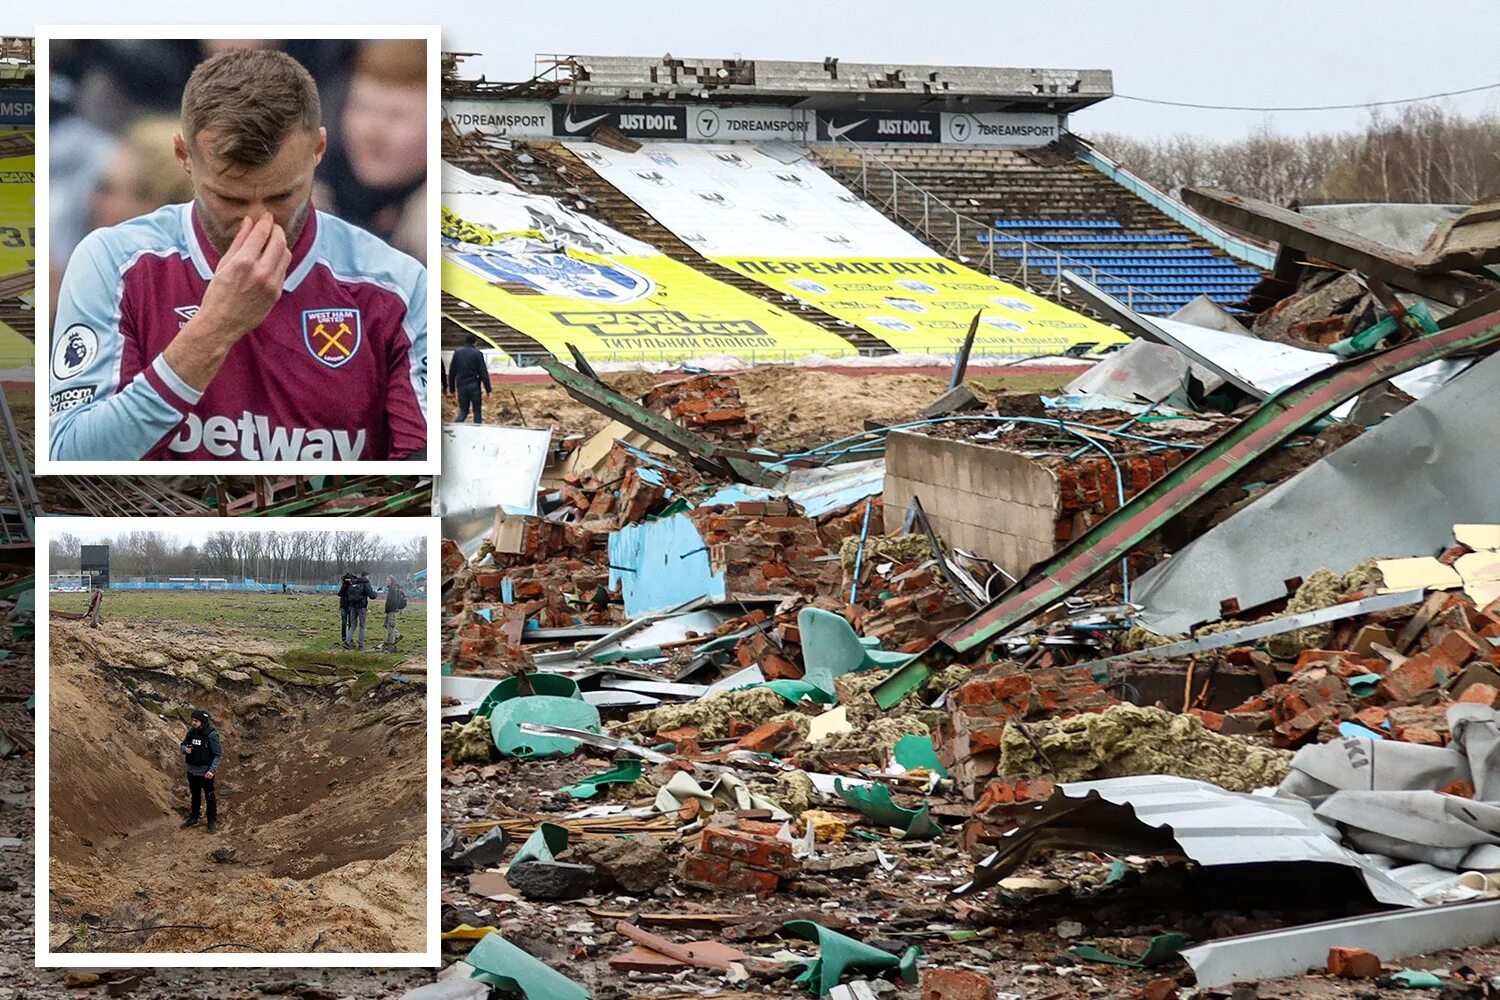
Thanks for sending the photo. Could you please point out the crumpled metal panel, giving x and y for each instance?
(485, 468)
(1208, 824)
(1395, 491)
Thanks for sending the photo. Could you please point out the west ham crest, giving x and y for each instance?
(332, 336)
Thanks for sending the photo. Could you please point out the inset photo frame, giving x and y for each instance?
(237, 247)
(237, 743)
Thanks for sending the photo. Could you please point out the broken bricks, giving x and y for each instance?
(732, 860)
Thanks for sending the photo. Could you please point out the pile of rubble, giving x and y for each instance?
(1110, 693)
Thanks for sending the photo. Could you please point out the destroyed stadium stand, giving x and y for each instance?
(552, 169)
(1042, 211)
(1036, 211)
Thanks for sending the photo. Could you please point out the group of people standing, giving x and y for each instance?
(355, 595)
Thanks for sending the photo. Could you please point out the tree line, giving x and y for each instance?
(1423, 154)
(292, 557)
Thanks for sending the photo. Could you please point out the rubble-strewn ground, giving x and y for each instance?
(322, 789)
(715, 865)
(794, 406)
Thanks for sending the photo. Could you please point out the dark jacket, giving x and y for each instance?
(468, 370)
(202, 744)
(393, 598)
(361, 593)
(346, 589)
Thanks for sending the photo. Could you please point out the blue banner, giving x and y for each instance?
(17, 106)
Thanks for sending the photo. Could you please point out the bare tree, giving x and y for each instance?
(1425, 153)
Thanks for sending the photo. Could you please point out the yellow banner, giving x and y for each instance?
(621, 308)
(925, 304)
(15, 350)
(17, 214)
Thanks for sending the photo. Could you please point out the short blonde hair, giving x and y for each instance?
(254, 99)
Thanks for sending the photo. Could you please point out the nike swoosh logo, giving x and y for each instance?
(572, 126)
(838, 133)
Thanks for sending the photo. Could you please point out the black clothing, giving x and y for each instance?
(470, 400)
(202, 745)
(468, 370)
(361, 593)
(203, 787)
(394, 599)
(345, 586)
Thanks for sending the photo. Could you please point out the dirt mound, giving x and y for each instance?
(321, 799)
(794, 407)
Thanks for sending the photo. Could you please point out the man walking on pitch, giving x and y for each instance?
(201, 748)
(395, 600)
(468, 372)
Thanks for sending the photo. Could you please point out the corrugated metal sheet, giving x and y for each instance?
(1160, 813)
(1395, 491)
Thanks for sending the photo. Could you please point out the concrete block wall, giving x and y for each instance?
(994, 503)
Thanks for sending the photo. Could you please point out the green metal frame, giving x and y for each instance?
(601, 397)
(1113, 538)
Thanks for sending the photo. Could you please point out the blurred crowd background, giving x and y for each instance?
(114, 110)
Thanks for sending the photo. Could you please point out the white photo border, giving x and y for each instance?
(45, 33)
(431, 955)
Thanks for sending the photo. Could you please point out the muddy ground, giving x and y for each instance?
(794, 407)
(320, 844)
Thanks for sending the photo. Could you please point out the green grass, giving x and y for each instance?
(308, 624)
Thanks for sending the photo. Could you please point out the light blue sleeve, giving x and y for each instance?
(92, 416)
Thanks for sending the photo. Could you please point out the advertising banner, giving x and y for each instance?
(923, 305)
(17, 214)
(561, 278)
(541, 120)
(794, 228)
(17, 106)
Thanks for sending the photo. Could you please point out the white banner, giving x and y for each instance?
(749, 124)
(1002, 128)
(513, 119)
(543, 120)
(732, 200)
(506, 208)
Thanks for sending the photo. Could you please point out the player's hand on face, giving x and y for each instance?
(249, 277)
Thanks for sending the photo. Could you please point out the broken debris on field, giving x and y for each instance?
(1058, 695)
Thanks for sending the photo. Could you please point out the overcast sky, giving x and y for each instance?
(1265, 53)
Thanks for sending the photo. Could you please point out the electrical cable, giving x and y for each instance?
(1308, 107)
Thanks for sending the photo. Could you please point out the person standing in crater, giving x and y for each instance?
(201, 748)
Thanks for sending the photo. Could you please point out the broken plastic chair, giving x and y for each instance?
(874, 802)
(1162, 948)
(838, 953)
(830, 649)
(1416, 979)
(499, 963)
(481, 852)
(913, 752)
(555, 701)
(625, 772)
(555, 685)
(545, 843)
